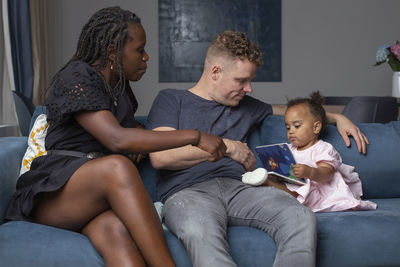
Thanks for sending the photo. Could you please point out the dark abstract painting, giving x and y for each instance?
(186, 28)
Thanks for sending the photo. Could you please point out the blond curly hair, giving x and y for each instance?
(235, 45)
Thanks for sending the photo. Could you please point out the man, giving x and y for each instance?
(201, 198)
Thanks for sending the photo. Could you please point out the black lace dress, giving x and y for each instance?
(78, 87)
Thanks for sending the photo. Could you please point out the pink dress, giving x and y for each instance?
(343, 192)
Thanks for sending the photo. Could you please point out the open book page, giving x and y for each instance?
(278, 160)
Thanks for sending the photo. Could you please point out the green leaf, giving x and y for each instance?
(394, 63)
(379, 63)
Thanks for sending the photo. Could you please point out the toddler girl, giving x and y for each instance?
(331, 185)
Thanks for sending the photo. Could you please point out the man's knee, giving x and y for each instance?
(302, 221)
(194, 226)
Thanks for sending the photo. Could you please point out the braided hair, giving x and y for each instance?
(107, 27)
(315, 105)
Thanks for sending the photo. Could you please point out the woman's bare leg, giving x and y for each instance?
(111, 182)
(113, 241)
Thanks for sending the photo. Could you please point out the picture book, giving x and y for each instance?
(278, 160)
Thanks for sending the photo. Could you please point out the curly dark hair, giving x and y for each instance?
(106, 28)
(315, 104)
(236, 45)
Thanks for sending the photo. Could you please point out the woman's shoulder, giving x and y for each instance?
(79, 69)
(78, 74)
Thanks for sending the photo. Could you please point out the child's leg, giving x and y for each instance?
(281, 186)
(259, 177)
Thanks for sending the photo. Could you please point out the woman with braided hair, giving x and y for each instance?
(88, 181)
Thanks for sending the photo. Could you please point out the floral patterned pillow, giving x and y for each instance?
(36, 142)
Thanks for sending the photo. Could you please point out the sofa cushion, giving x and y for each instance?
(38, 110)
(360, 238)
(30, 244)
(11, 152)
(379, 169)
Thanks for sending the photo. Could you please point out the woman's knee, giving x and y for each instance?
(118, 170)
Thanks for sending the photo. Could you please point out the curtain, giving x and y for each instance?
(21, 50)
(40, 58)
(7, 108)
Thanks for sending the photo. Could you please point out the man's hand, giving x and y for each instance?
(345, 127)
(240, 152)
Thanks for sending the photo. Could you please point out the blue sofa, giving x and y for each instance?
(352, 238)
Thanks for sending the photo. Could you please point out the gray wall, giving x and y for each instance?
(327, 45)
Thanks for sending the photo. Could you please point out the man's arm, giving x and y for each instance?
(344, 126)
(177, 158)
(188, 156)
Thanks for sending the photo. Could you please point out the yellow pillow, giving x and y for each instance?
(36, 141)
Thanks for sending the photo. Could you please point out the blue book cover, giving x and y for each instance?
(278, 160)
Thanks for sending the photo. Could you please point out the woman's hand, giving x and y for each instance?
(213, 145)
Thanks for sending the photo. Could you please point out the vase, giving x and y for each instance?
(396, 84)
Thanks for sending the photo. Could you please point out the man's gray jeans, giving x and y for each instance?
(200, 214)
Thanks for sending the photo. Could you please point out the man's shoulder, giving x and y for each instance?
(251, 99)
(252, 102)
(171, 91)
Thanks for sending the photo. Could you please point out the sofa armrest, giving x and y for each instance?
(11, 154)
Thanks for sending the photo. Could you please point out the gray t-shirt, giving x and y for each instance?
(181, 109)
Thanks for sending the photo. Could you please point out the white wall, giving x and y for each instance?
(327, 45)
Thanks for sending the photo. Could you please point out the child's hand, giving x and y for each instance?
(302, 171)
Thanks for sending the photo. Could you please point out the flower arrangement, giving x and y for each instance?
(389, 54)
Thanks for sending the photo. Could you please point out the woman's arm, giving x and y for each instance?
(105, 127)
(177, 158)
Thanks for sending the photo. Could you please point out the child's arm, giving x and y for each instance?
(322, 174)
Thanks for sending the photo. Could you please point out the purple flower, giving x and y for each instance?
(395, 49)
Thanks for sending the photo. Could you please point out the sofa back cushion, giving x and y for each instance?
(379, 169)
